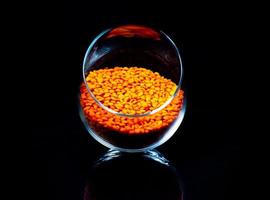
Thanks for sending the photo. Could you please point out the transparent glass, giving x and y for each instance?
(133, 46)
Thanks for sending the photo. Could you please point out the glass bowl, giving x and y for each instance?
(130, 96)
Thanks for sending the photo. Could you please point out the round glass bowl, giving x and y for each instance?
(130, 97)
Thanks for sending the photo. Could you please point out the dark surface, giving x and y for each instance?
(150, 178)
(206, 149)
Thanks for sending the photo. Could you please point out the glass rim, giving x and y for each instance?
(132, 115)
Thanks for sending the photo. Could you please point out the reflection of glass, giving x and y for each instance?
(137, 176)
(129, 46)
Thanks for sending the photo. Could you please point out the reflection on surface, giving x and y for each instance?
(132, 176)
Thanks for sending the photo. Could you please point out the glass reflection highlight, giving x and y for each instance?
(124, 176)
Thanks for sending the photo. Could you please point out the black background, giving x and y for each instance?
(206, 148)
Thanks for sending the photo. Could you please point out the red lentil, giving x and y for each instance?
(132, 91)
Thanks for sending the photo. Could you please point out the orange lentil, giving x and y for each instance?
(142, 91)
